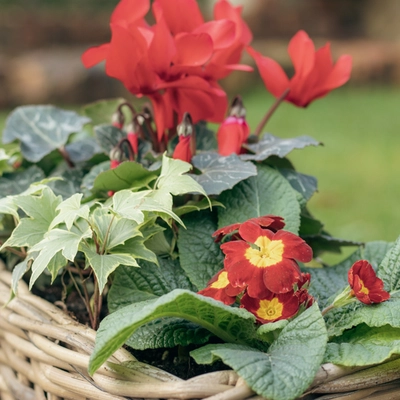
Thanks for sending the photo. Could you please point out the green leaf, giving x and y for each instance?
(101, 111)
(267, 193)
(230, 324)
(389, 269)
(131, 205)
(41, 210)
(82, 150)
(306, 185)
(112, 230)
(268, 332)
(103, 265)
(200, 257)
(8, 206)
(108, 136)
(194, 205)
(289, 366)
(271, 145)
(70, 210)
(205, 138)
(128, 175)
(16, 182)
(88, 179)
(135, 247)
(323, 242)
(19, 271)
(375, 315)
(363, 345)
(57, 262)
(41, 129)
(69, 184)
(220, 173)
(54, 241)
(168, 332)
(131, 285)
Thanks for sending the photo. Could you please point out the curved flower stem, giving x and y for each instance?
(327, 309)
(268, 115)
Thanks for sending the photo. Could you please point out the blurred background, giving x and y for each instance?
(358, 167)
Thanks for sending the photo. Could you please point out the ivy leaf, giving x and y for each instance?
(16, 182)
(8, 206)
(56, 240)
(389, 269)
(69, 211)
(200, 257)
(108, 136)
(101, 111)
(128, 175)
(221, 173)
(131, 205)
(271, 145)
(267, 193)
(172, 180)
(19, 271)
(57, 262)
(41, 211)
(104, 264)
(41, 129)
(111, 230)
(230, 324)
(135, 247)
(82, 150)
(131, 285)
(289, 366)
(363, 345)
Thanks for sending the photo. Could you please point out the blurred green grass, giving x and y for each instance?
(358, 167)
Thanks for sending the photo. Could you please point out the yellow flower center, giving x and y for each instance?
(221, 282)
(363, 289)
(270, 309)
(269, 252)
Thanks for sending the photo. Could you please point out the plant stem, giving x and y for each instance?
(65, 156)
(97, 302)
(268, 115)
(327, 309)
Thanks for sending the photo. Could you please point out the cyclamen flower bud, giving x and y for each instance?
(118, 119)
(133, 137)
(234, 131)
(185, 148)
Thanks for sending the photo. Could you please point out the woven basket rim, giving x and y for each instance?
(44, 351)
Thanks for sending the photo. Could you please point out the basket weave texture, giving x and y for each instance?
(44, 354)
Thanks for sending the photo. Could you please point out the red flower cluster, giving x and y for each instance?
(315, 74)
(177, 61)
(365, 285)
(260, 261)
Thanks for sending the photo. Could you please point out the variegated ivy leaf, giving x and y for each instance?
(69, 210)
(41, 210)
(8, 206)
(55, 241)
(173, 181)
(131, 205)
(112, 230)
(104, 264)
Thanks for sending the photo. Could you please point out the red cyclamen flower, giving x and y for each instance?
(315, 74)
(272, 222)
(264, 259)
(365, 285)
(271, 307)
(219, 288)
(177, 61)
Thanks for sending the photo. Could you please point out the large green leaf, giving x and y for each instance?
(127, 175)
(41, 129)
(89, 178)
(108, 136)
(55, 241)
(101, 111)
(267, 193)
(221, 173)
(82, 150)
(41, 211)
(232, 325)
(135, 247)
(389, 269)
(132, 285)
(200, 257)
(306, 185)
(69, 184)
(363, 345)
(271, 145)
(16, 182)
(289, 366)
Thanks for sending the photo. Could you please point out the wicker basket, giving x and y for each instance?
(44, 354)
